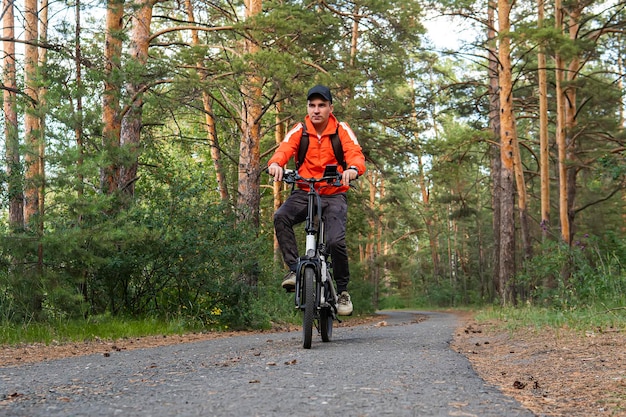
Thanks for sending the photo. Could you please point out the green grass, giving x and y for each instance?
(581, 318)
(112, 328)
(107, 328)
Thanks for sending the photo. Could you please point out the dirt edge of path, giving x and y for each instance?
(552, 372)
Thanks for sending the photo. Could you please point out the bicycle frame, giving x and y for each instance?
(315, 252)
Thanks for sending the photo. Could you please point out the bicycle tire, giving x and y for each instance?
(308, 295)
(326, 324)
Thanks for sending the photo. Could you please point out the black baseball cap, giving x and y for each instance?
(320, 90)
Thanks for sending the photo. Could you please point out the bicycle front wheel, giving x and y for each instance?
(326, 324)
(308, 295)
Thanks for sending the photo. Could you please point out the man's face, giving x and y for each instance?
(319, 110)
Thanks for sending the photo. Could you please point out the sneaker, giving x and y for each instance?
(344, 305)
(289, 282)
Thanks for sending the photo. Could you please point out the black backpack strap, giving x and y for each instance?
(338, 149)
(303, 147)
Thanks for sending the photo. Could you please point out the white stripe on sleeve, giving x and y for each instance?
(295, 129)
(350, 132)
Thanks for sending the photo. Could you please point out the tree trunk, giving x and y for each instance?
(78, 119)
(111, 114)
(130, 133)
(429, 220)
(207, 103)
(370, 252)
(220, 174)
(43, 57)
(571, 109)
(510, 131)
(560, 132)
(429, 215)
(496, 161)
(11, 136)
(249, 149)
(79, 131)
(32, 180)
(31, 120)
(544, 150)
(622, 124)
(507, 155)
(249, 178)
(354, 38)
(621, 68)
(277, 186)
(522, 200)
(382, 244)
(375, 246)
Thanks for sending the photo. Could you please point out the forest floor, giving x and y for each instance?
(552, 372)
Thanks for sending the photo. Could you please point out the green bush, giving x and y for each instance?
(564, 277)
(169, 256)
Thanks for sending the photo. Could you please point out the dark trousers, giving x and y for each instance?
(335, 213)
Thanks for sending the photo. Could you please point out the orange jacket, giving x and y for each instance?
(320, 152)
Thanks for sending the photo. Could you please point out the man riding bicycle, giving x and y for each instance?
(320, 125)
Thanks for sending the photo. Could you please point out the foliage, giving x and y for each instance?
(597, 276)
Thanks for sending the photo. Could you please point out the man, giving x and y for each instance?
(320, 125)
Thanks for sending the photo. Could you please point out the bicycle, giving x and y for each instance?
(315, 293)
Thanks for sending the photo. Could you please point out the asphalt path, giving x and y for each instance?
(403, 368)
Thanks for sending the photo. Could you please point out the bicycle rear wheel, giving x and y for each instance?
(308, 295)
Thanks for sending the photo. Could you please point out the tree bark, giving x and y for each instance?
(41, 152)
(560, 132)
(249, 175)
(278, 186)
(132, 122)
(207, 103)
(216, 156)
(31, 119)
(111, 113)
(571, 109)
(544, 151)
(11, 136)
(507, 154)
(430, 220)
(382, 245)
(249, 150)
(354, 38)
(511, 127)
(621, 68)
(496, 161)
(522, 194)
(78, 119)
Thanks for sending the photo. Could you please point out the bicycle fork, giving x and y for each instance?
(325, 295)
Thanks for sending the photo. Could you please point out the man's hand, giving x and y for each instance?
(349, 175)
(275, 171)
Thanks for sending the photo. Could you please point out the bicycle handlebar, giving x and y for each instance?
(292, 177)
